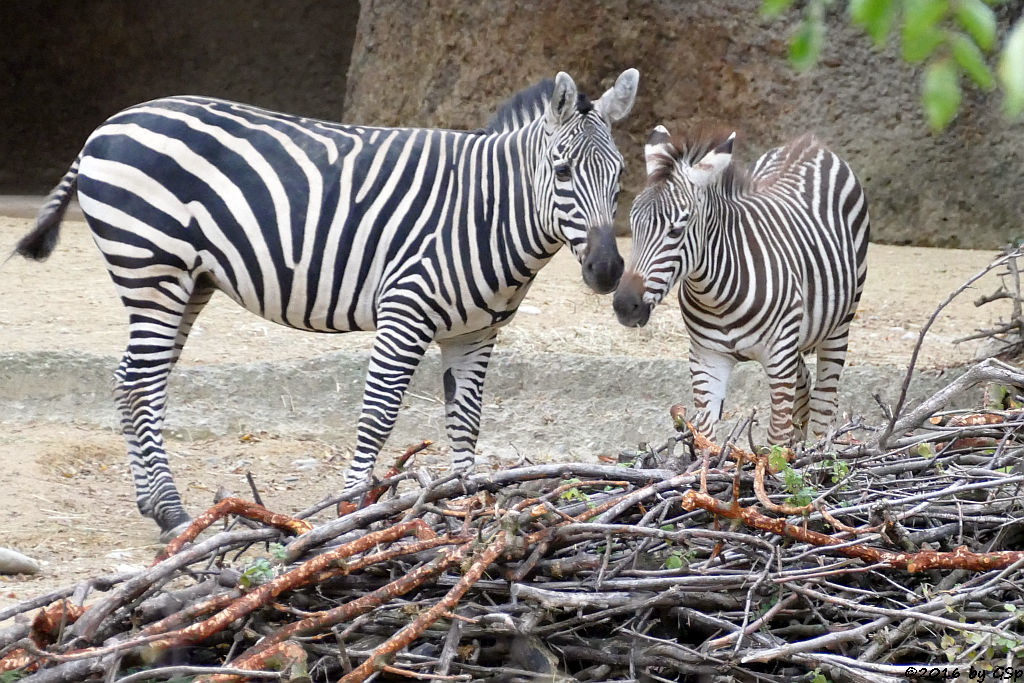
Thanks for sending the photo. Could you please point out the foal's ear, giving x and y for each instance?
(563, 100)
(709, 169)
(659, 151)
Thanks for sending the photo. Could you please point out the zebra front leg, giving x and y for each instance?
(825, 395)
(783, 367)
(397, 352)
(710, 371)
(802, 399)
(464, 360)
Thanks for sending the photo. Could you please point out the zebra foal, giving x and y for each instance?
(772, 262)
(422, 235)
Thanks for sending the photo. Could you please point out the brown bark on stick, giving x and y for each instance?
(47, 626)
(381, 655)
(347, 506)
(50, 621)
(234, 506)
(322, 621)
(287, 656)
(193, 611)
(300, 576)
(961, 558)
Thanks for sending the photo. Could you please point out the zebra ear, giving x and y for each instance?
(709, 169)
(659, 150)
(563, 100)
(618, 100)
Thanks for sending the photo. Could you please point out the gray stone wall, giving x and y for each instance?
(449, 64)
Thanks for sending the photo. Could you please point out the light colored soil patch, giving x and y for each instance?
(68, 499)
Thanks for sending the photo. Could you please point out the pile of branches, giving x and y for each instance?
(875, 551)
(1006, 338)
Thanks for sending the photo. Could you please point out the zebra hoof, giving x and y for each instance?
(172, 533)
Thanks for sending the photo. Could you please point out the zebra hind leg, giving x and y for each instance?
(464, 361)
(157, 336)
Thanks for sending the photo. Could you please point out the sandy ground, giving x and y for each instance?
(65, 494)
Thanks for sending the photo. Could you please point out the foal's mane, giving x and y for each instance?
(691, 148)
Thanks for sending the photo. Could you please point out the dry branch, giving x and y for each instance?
(234, 506)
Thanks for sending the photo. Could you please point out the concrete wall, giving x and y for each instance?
(554, 405)
(66, 66)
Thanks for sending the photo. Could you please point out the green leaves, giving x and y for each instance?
(968, 55)
(805, 46)
(1011, 70)
(978, 19)
(674, 561)
(773, 8)
(940, 93)
(949, 37)
(921, 31)
(874, 16)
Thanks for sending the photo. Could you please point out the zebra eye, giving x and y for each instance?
(677, 230)
(563, 173)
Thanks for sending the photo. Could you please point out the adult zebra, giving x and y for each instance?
(421, 235)
(772, 261)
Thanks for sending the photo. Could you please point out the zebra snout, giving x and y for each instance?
(629, 305)
(603, 276)
(602, 264)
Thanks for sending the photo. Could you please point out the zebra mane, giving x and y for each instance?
(702, 140)
(736, 178)
(529, 105)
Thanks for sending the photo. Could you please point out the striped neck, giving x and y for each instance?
(511, 225)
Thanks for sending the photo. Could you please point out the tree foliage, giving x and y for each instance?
(954, 40)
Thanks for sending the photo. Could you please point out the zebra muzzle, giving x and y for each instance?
(630, 307)
(602, 264)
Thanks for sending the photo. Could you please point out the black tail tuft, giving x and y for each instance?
(40, 243)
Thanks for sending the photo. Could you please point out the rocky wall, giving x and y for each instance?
(450, 63)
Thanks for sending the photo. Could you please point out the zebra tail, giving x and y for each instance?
(40, 243)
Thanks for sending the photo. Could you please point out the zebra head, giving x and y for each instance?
(665, 218)
(576, 181)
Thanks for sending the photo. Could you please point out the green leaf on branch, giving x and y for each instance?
(978, 19)
(875, 17)
(921, 30)
(941, 92)
(773, 8)
(1011, 70)
(972, 61)
(805, 46)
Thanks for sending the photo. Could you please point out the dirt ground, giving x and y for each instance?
(65, 494)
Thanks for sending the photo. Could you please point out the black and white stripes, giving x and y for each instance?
(772, 263)
(421, 235)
